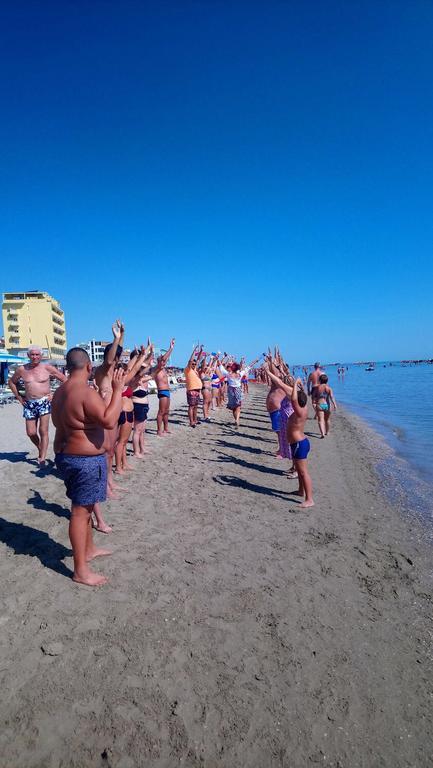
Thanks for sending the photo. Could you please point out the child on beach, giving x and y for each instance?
(299, 444)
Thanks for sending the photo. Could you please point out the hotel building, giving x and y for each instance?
(34, 317)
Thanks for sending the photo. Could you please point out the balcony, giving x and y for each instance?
(60, 342)
(57, 311)
(13, 328)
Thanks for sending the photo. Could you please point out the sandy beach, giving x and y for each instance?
(236, 629)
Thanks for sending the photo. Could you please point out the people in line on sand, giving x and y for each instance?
(234, 375)
(312, 384)
(36, 402)
(244, 378)
(103, 378)
(80, 416)
(205, 373)
(325, 397)
(193, 385)
(285, 412)
(215, 391)
(138, 359)
(299, 444)
(159, 373)
(140, 402)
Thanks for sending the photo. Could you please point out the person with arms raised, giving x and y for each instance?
(80, 417)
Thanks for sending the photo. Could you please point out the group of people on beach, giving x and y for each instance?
(95, 411)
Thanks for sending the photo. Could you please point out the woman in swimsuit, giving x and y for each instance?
(125, 422)
(234, 375)
(215, 390)
(324, 398)
(140, 402)
(205, 374)
(286, 410)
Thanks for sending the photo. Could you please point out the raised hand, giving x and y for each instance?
(117, 329)
(118, 381)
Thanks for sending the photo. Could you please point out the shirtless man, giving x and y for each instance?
(274, 399)
(103, 380)
(80, 416)
(37, 400)
(312, 384)
(160, 375)
(299, 444)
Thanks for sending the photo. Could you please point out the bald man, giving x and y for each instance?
(36, 402)
(80, 417)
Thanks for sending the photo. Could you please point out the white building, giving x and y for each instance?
(95, 350)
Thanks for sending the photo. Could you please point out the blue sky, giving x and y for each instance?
(243, 173)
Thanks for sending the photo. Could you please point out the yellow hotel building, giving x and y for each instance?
(34, 317)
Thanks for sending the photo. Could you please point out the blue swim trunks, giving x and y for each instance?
(34, 409)
(163, 393)
(85, 477)
(301, 449)
(275, 417)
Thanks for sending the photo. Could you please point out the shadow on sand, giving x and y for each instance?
(226, 458)
(16, 456)
(237, 482)
(29, 541)
(38, 502)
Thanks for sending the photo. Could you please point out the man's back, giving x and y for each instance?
(77, 431)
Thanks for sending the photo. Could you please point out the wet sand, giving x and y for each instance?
(236, 629)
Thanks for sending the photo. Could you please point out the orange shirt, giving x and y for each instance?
(193, 380)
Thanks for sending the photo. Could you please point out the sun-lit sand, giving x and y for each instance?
(235, 629)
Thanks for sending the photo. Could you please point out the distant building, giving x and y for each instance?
(95, 350)
(34, 317)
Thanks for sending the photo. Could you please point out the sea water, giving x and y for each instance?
(396, 400)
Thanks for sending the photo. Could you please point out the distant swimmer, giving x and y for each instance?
(37, 400)
(325, 398)
(299, 444)
(312, 383)
(80, 416)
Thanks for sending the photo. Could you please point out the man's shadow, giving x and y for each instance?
(38, 502)
(29, 541)
(225, 457)
(248, 448)
(237, 482)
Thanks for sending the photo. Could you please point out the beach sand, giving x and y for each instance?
(236, 629)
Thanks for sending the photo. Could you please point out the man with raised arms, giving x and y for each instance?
(80, 417)
(312, 385)
(37, 400)
(159, 373)
(193, 385)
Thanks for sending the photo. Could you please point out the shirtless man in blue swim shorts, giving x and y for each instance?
(159, 373)
(80, 416)
(37, 399)
(299, 444)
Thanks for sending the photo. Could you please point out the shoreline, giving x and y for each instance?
(235, 629)
(403, 483)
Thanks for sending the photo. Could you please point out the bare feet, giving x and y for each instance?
(306, 504)
(120, 472)
(98, 552)
(90, 579)
(160, 434)
(103, 528)
(167, 432)
(138, 455)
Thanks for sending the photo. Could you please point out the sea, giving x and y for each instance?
(396, 400)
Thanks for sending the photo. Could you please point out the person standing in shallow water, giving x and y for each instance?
(37, 401)
(80, 416)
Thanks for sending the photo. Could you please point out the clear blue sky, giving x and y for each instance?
(242, 172)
